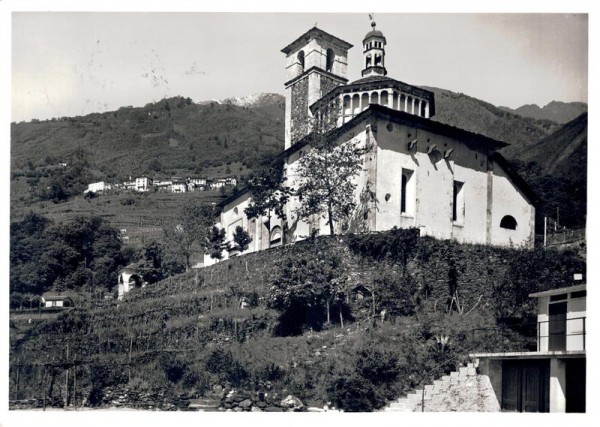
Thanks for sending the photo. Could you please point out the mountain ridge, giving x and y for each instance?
(557, 111)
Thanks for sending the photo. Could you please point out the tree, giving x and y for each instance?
(216, 243)
(308, 285)
(151, 264)
(190, 230)
(241, 240)
(269, 193)
(327, 180)
(86, 252)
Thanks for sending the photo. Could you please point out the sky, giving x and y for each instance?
(75, 63)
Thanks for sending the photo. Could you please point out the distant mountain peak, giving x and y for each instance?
(557, 111)
(256, 99)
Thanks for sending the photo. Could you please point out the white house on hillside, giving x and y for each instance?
(143, 184)
(96, 187)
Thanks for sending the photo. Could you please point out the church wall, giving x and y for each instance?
(230, 219)
(359, 222)
(300, 228)
(473, 228)
(432, 181)
(508, 200)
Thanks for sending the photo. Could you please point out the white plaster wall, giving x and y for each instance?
(230, 220)
(49, 304)
(302, 228)
(434, 189)
(576, 309)
(542, 318)
(470, 168)
(507, 199)
(434, 184)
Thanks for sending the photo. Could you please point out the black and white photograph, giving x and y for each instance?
(256, 209)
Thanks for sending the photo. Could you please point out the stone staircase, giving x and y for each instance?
(463, 390)
(208, 403)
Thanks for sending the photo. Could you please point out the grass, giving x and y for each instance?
(142, 215)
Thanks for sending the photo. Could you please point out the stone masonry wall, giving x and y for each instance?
(300, 120)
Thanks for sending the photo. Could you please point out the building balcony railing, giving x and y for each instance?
(550, 335)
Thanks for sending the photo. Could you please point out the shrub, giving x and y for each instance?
(222, 363)
(310, 284)
(353, 393)
(379, 366)
(174, 366)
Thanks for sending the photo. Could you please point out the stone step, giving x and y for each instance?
(408, 408)
(403, 404)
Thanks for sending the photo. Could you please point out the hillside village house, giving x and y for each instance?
(163, 185)
(178, 187)
(57, 299)
(553, 378)
(129, 278)
(448, 182)
(96, 187)
(143, 184)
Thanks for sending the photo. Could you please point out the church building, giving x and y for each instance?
(448, 182)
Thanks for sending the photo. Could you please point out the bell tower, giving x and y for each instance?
(316, 63)
(374, 53)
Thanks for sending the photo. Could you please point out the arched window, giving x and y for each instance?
(368, 63)
(508, 222)
(377, 59)
(384, 98)
(330, 59)
(275, 239)
(300, 58)
(235, 211)
(347, 105)
(365, 101)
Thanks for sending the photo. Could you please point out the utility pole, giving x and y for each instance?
(545, 230)
(67, 379)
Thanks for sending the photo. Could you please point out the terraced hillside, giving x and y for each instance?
(361, 333)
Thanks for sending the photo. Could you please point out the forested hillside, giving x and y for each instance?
(171, 135)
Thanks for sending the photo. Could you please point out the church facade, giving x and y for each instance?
(448, 182)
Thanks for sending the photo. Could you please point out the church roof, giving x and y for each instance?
(377, 82)
(370, 79)
(314, 33)
(374, 33)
